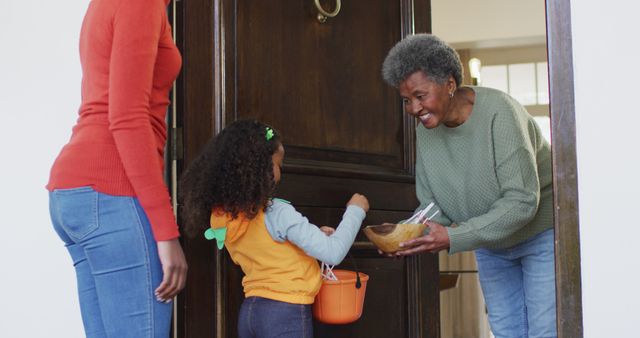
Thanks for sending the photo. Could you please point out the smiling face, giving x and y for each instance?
(277, 159)
(427, 100)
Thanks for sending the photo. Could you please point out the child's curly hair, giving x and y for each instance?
(234, 172)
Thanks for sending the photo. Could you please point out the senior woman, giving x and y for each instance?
(482, 160)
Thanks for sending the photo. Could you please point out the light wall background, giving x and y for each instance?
(39, 97)
(607, 120)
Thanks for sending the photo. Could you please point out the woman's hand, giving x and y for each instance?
(435, 241)
(174, 269)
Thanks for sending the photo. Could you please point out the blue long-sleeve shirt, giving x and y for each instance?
(284, 223)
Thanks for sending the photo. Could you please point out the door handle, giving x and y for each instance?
(323, 15)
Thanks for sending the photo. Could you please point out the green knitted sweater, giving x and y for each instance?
(491, 175)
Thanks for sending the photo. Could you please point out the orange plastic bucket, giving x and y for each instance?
(340, 301)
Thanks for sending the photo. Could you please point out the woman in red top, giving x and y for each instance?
(108, 200)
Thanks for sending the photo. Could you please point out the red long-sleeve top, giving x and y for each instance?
(129, 62)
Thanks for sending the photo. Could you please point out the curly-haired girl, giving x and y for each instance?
(227, 191)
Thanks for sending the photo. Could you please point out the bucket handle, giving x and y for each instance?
(355, 267)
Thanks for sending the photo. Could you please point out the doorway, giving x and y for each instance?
(209, 96)
(343, 129)
(513, 61)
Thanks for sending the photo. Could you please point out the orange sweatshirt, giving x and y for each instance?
(129, 63)
(277, 250)
(273, 270)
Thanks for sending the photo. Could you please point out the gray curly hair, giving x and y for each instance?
(425, 52)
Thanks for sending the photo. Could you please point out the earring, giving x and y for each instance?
(451, 95)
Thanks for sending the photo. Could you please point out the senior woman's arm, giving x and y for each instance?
(518, 150)
(435, 237)
(517, 142)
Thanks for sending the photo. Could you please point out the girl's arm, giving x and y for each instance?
(284, 223)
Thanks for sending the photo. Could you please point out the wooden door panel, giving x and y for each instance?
(385, 311)
(320, 84)
(343, 129)
(323, 191)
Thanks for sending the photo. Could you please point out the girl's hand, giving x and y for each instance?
(174, 269)
(435, 241)
(359, 200)
(327, 230)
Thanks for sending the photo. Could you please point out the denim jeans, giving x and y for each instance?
(267, 318)
(116, 262)
(519, 288)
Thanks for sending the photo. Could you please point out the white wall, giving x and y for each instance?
(605, 50)
(39, 97)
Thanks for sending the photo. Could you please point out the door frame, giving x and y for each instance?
(565, 178)
(563, 143)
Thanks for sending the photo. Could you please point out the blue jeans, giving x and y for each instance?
(267, 318)
(519, 288)
(116, 262)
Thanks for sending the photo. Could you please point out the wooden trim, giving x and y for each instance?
(423, 321)
(195, 38)
(219, 107)
(565, 187)
(407, 28)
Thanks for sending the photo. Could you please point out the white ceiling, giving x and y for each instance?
(489, 23)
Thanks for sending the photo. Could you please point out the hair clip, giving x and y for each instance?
(269, 133)
(281, 200)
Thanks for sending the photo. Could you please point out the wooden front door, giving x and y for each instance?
(344, 131)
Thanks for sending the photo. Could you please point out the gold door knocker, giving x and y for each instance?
(323, 15)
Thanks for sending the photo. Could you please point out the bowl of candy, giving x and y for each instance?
(388, 236)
